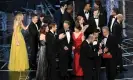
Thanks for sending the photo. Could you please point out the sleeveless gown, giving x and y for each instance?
(18, 54)
(76, 66)
(42, 62)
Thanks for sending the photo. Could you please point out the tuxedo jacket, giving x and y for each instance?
(33, 38)
(58, 18)
(117, 31)
(63, 42)
(51, 45)
(39, 23)
(112, 45)
(102, 17)
(87, 52)
(110, 22)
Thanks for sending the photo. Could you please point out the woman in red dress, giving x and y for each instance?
(78, 38)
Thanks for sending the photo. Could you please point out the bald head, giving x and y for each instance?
(120, 17)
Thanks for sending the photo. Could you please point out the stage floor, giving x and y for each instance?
(30, 75)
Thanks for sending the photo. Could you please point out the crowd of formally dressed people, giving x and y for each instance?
(89, 38)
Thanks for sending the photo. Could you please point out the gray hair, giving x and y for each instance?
(106, 28)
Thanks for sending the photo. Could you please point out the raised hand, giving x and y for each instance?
(105, 49)
(66, 48)
(61, 36)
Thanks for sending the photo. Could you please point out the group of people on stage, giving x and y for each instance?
(89, 38)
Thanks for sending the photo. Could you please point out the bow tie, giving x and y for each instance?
(105, 37)
(86, 12)
(95, 18)
(113, 17)
(67, 30)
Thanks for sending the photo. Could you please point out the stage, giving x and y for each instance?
(30, 75)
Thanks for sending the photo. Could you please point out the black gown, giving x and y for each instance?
(42, 62)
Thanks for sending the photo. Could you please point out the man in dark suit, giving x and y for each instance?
(95, 22)
(58, 15)
(117, 32)
(86, 13)
(68, 16)
(110, 47)
(40, 22)
(112, 18)
(102, 13)
(51, 49)
(97, 59)
(33, 40)
(98, 18)
(65, 49)
(88, 53)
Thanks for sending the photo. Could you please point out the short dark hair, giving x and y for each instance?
(68, 22)
(98, 3)
(62, 4)
(42, 15)
(87, 3)
(51, 25)
(96, 31)
(116, 10)
(33, 15)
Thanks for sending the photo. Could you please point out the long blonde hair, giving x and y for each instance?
(18, 20)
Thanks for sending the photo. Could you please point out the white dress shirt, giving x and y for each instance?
(86, 15)
(36, 26)
(105, 40)
(42, 24)
(68, 36)
(112, 23)
(62, 11)
(97, 23)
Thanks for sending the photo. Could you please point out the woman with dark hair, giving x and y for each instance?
(78, 38)
(42, 61)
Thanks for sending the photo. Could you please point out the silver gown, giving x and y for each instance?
(42, 62)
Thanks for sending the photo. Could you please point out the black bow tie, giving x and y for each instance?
(86, 12)
(95, 18)
(113, 17)
(67, 30)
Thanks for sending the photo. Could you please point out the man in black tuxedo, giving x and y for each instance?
(88, 53)
(102, 13)
(40, 22)
(110, 47)
(68, 16)
(86, 13)
(97, 59)
(113, 18)
(98, 19)
(65, 49)
(33, 40)
(95, 22)
(51, 49)
(117, 32)
(58, 15)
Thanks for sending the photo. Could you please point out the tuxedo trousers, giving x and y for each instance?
(111, 66)
(65, 62)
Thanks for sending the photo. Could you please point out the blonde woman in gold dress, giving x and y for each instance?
(18, 53)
